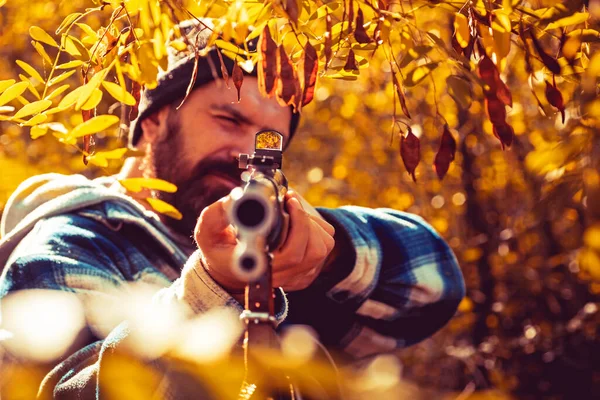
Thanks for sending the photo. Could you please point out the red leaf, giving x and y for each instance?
(350, 15)
(291, 8)
(410, 151)
(505, 133)
(267, 63)
(360, 34)
(549, 62)
(238, 78)
(328, 44)
(496, 110)
(224, 71)
(445, 154)
(491, 77)
(287, 84)
(351, 62)
(555, 98)
(135, 92)
(401, 96)
(310, 69)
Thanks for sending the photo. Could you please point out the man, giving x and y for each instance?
(367, 281)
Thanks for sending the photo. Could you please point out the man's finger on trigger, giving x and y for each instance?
(214, 219)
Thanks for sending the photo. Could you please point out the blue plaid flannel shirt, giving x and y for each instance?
(397, 285)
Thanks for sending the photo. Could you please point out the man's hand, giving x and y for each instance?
(296, 264)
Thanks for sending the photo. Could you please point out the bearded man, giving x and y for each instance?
(366, 280)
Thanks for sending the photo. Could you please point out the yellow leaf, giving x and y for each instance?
(158, 44)
(503, 19)
(41, 51)
(163, 207)
(89, 88)
(119, 93)
(585, 35)
(60, 78)
(593, 69)
(418, 74)
(97, 160)
(93, 101)
(88, 30)
(38, 131)
(40, 35)
(74, 47)
(33, 108)
(70, 64)
(30, 70)
(137, 184)
(6, 84)
(94, 125)
(461, 28)
(115, 154)
(38, 119)
(577, 18)
(67, 22)
(70, 99)
(31, 88)
(465, 305)
(591, 238)
(13, 92)
(101, 158)
(41, 129)
(59, 90)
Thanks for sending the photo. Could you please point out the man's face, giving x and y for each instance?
(203, 139)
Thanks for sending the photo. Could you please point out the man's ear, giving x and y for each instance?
(154, 127)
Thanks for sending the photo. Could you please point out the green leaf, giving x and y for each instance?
(40, 35)
(137, 184)
(419, 73)
(33, 108)
(30, 70)
(94, 125)
(163, 207)
(13, 92)
(119, 93)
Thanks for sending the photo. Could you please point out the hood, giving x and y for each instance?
(48, 195)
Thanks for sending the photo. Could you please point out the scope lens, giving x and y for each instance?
(251, 213)
(248, 263)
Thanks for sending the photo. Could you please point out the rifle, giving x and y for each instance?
(258, 214)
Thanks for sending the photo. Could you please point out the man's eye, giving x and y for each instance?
(228, 119)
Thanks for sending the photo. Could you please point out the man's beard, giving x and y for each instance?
(194, 191)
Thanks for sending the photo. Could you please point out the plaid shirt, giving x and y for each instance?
(397, 284)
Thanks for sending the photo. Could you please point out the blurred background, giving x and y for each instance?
(523, 221)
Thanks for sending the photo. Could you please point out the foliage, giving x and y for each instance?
(457, 81)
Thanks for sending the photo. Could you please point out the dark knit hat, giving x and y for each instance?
(173, 83)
